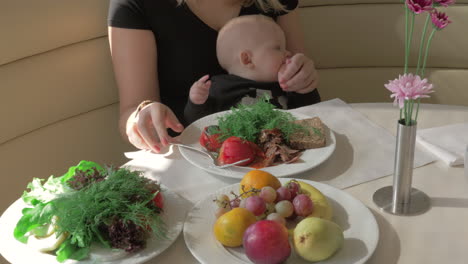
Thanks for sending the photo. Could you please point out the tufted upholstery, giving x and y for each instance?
(358, 46)
(59, 102)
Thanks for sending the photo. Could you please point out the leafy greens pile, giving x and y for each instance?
(247, 122)
(93, 204)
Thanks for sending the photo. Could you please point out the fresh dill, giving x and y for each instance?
(123, 195)
(247, 122)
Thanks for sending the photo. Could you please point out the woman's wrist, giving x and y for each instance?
(142, 105)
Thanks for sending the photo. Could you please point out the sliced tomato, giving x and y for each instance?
(235, 149)
(209, 138)
(158, 200)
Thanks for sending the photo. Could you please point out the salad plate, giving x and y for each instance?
(309, 159)
(17, 252)
(361, 232)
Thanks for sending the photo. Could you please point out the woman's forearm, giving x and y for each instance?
(134, 60)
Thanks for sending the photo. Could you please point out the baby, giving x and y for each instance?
(252, 49)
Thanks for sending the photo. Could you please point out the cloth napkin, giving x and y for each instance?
(448, 143)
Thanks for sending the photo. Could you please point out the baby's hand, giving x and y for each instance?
(200, 90)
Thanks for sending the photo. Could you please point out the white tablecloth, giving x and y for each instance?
(364, 151)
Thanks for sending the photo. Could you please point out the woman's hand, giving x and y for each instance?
(148, 128)
(298, 74)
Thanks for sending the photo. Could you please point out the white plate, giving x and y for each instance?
(309, 159)
(17, 252)
(361, 232)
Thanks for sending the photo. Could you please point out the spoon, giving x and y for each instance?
(210, 155)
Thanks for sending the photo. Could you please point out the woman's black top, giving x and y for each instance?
(186, 46)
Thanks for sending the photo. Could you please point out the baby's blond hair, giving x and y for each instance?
(239, 34)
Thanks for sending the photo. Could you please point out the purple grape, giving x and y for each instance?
(294, 188)
(256, 205)
(283, 193)
(303, 205)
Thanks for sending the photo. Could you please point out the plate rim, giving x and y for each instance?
(238, 175)
(318, 185)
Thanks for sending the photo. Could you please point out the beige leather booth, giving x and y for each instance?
(58, 97)
(358, 46)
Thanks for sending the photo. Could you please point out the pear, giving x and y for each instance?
(316, 239)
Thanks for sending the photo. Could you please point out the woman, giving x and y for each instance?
(161, 47)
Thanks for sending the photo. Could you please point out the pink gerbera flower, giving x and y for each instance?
(439, 19)
(444, 3)
(419, 6)
(408, 86)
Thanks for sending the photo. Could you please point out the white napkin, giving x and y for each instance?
(448, 143)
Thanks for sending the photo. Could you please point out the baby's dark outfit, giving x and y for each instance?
(228, 90)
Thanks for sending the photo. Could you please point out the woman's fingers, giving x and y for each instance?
(299, 75)
(172, 122)
(293, 65)
(147, 129)
(135, 138)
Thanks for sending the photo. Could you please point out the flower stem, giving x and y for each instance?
(411, 111)
(427, 51)
(410, 38)
(417, 109)
(421, 45)
(407, 118)
(406, 38)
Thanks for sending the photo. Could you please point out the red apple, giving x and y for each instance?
(266, 241)
(234, 149)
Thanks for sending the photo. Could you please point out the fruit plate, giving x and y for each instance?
(308, 160)
(17, 252)
(361, 232)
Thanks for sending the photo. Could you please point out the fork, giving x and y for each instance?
(210, 155)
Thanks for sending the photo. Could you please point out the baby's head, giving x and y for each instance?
(253, 47)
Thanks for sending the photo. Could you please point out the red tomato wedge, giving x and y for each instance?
(209, 139)
(234, 149)
(158, 200)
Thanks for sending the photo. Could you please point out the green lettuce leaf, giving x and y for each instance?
(67, 250)
(44, 193)
(32, 218)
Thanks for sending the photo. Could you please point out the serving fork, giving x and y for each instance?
(210, 155)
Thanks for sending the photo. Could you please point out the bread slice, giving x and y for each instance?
(314, 139)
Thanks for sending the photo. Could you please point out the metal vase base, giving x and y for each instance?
(401, 199)
(419, 202)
